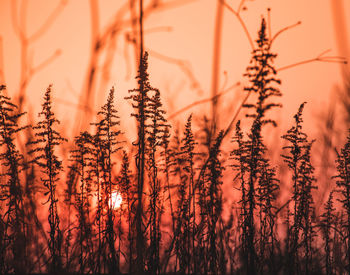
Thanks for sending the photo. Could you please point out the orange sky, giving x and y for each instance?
(183, 32)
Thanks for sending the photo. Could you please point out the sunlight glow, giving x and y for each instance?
(115, 200)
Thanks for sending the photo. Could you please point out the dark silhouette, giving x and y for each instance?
(175, 216)
(45, 141)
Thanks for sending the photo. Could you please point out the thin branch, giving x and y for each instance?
(171, 4)
(224, 83)
(228, 129)
(107, 64)
(203, 101)
(216, 62)
(134, 28)
(269, 22)
(45, 63)
(236, 13)
(141, 41)
(95, 20)
(23, 16)
(283, 206)
(70, 88)
(240, 6)
(14, 18)
(319, 58)
(283, 30)
(20, 28)
(130, 36)
(183, 65)
(118, 23)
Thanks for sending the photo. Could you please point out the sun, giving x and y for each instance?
(115, 200)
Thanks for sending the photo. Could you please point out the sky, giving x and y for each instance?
(179, 36)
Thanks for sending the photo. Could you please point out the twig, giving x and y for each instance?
(202, 101)
(133, 20)
(118, 23)
(130, 37)
(236, 13)
(105, 38)
(19, 25)
(283, 30)
(44, 63)
(215, 78)
(15, 25)
(183, 65)
(283, 206)
(319, 58)
(269, 22)
(228, 129)
(240, 6)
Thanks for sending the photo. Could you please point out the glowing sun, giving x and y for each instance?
(116, 200)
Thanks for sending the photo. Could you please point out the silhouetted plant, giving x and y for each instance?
(202, 185)
(128, 190)
(81, 158)
(71, 186)
(185, 232)
(181, 237)
(13, 220)
(338, 244)
(287, 240)
(240, 156)
(343, 182)
(213, 178)
(109, 145)
(45, 141)
(95, 171)
(167, 155)
(298, 161)
(266, 197)
(261, 74)
(328, 219)
(188, 154)
(173, 174)
(262, 81)
(254, 176)
(141, 97)
(155, 132)
(196, 235)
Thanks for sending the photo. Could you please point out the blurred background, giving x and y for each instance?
(45, 42)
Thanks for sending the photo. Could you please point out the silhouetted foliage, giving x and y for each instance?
(108, 146)
(13, 219)
(45, 141)
(261, 74)
(328, 220)
(343, 182)
(254, 173)
(302, 231)
(190, 204)
(155, 133)
(213, 211)
(81, 158)
(128, 189)
(140, 97)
